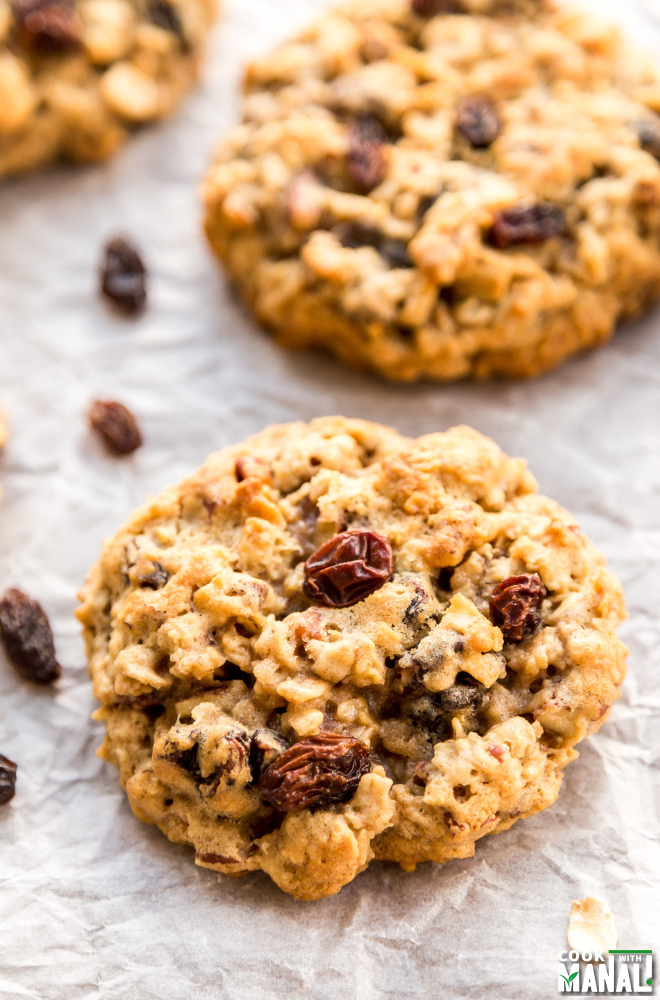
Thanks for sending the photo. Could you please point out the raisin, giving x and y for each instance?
(359, 234)
(156, 579)
(28, 638)
(316, 771)
(165, 15)
(435, 711)
(528, 224)
(648, 133)
(48, 25)
(396, 254)
(367, 162)
(265, 747)
(227, 774)
(116, 425)
(478, 121)
(430, 8)
(515, 605)
(465, 693)
(348, 568)
(7, 779)
(143, 702)
(124, 277)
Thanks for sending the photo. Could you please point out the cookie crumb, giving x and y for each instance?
(591, 928)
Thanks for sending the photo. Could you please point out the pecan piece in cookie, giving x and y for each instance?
(478, 121)
(116, 425)
(515, 605)
(28, 638)
(7, 779)
(367, 162)
(316, 771)
(348, 568)
(48, 25)
(528, 224)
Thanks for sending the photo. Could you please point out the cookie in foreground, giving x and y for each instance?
(333, 644)
(444, 189)
(77, 76)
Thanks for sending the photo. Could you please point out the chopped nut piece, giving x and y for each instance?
(591, 928)
(116, 425)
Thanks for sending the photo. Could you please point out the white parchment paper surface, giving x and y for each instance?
(93, 904)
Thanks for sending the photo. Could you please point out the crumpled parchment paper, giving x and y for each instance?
(94, 904)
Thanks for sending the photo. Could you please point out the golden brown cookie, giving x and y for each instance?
(77, 76)
(444, 189)
(333, 643)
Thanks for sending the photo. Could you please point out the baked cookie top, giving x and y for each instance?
(444, 188)
(333, 643)
(76, 76)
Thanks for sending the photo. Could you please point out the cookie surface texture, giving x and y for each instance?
(77, 76)
(446, 189)
(333, 643)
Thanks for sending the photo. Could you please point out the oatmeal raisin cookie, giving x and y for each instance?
(333, 643)
(76, 76)
(444, 188)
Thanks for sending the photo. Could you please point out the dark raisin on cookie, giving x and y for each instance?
(367, 161)
(28, 638)
(48, 25)
(348, 568)
(156, 578)
(528, 224)
(648, 133)
(478, 121)
(116, 425)
(431, 8)
(358, 234)
(515, 605)
(7, 779)
(236, 743)
(265, 747)
(434, 712)
(123, 277)
(165, 15)
(317, 771)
